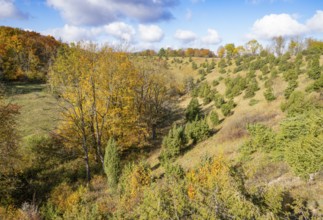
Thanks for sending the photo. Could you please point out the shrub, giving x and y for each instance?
(292, 85)
(261, 138)
(214, 118)
(215, 83)
(252, 87)
(193, 110)
(222, 64)
(290, 75)
(253, 102)
(172, 143)
(234, 86)
(314, 71)
(197, 130)
(194, 66)
(227, 107)
(112, 163)
(218, 100)
(265, 70)
(305, 156)
(297, 103)
(269, 94)
(317, 85)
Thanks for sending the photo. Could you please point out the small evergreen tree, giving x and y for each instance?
(172, 143)
(269, 94)
(292, 85)
(197, 131)
(112, 163)
(214, 118)
(218, 100)
(193, 110)
(315, 70)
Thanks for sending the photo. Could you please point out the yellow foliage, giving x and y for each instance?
(64, 198)
(207, 174)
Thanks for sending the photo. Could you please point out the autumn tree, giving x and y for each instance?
(230, 50)
(162, 52)
(253, 47)
(97, 88)
(221, 52)
(278, 45)
(154, 98)
(25, 55)
(295, 46)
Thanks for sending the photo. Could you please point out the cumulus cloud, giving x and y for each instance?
(71, 33)
(150, 33)
(9, 10)
(211, 38)
(99, 12)
(316, 22)
(120, 30)
(274, 25)
(185, 36)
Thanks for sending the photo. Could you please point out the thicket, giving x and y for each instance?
(25, 55)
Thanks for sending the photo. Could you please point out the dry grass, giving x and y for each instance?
(38, 108)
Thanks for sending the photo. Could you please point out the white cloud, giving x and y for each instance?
(70, 33)
(274, 25)
(211, 38)
(316, 22)
(9, 10)
(121, 31)
(151, 33)
(185, 36)
(99, 12)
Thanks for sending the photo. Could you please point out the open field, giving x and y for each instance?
(38, 108)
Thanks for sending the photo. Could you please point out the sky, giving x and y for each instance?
(152, 24)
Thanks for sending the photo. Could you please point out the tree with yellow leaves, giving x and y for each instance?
(98, 89)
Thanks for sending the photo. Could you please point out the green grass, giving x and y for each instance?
(38, 108)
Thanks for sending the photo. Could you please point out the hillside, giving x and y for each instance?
(25, 55)
(167, 137)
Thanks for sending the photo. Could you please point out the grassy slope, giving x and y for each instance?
(231, 133)
(38, 108)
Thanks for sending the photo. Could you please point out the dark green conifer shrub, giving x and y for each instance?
(193, 110)
(292, 85)
(112, 163)
(197, 130)
(214, 118)
(269, 94)
(314, 71)
(173, 143)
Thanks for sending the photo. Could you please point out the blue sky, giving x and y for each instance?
(153, 24)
